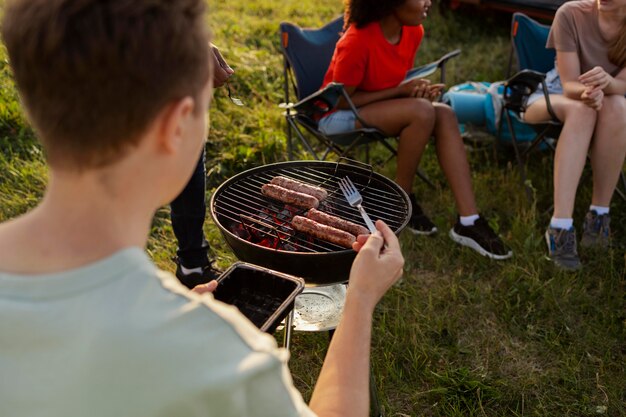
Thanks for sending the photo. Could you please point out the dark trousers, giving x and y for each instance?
(188, 211)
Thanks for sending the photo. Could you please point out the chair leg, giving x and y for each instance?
(422, 176)
(540, 138)
(289, 143)
(520, 163)
(303, 140)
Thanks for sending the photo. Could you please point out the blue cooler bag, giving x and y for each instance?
(480, 104)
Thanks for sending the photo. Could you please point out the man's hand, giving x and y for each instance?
(205, 288)
(221, 70)
(375, 268)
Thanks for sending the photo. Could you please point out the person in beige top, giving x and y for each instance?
(590, 41)
(117, 91)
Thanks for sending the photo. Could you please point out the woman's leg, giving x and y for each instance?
(608, 149)
(413, 121)
(579, 121)
(453, 159)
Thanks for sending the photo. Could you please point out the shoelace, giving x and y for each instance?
(599, 224)
(567, 243)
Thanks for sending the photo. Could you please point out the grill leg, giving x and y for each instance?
(288, 326)
(375, 410)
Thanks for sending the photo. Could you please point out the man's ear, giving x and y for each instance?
(172, 122)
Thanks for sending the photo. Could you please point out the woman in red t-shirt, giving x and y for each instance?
(371, 59)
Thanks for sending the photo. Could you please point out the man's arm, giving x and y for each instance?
(342, 389)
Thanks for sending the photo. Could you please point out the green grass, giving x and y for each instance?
(460, 335)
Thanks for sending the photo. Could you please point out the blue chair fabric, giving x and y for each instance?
(529, 40)
(309, 68)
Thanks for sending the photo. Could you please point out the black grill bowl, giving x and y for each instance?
(264, 296)
(324, 263)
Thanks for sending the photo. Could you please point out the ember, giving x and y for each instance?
(271, 228)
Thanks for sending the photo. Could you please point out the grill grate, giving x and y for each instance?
(239, 203)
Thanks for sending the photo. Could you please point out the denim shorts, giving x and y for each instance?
(553, 82)
(340, 121)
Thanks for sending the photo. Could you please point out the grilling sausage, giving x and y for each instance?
(336, 222)
(323, 232)
(290, 196)
(300, 187)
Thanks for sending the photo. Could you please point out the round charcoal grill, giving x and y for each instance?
(258, 229)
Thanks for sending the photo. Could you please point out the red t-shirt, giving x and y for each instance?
(364, 59)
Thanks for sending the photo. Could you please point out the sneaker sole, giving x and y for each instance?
(561, 267)
(471, 243)
(422, 232)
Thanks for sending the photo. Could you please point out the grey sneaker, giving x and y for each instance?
(596, 230)
(562, 248)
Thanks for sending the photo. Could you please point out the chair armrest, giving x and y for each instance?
(520, 86)
(430, 68)
(319, 102)
(324, 100)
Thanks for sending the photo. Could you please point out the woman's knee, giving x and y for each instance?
(421, 111)
(576, 110)
(613, 110)
(445, 113)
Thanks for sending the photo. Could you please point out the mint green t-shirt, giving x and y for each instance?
(121, 338)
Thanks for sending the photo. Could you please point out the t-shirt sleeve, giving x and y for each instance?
(350, 61)
(253, 371)
(562, 35)
(269, 389)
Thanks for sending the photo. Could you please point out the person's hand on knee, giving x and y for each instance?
(592, 97)
(596, 77)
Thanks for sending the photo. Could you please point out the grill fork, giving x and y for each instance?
(354, 198)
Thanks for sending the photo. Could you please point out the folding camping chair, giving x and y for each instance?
(528, 40)
(528, 44)
(307, 54)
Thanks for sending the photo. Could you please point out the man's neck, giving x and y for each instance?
(81, 219)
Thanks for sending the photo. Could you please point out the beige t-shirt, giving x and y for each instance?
(121, 338)
(576, 29)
